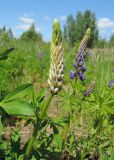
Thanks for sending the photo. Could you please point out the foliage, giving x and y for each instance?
(75, 27)
(31, 34)
(82, 128)
(5, 35)
(111, 41)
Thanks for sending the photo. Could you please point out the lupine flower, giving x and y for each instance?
(90, 88)
(79, 60)
(57, 65)
(111, 83)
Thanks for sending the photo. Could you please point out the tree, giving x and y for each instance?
(31, 34)
(6, 34)
(111, 41)
(10, 33)
(101, 43)
(75, 28)
(69, 29)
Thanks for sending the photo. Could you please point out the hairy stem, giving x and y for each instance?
(36, 127)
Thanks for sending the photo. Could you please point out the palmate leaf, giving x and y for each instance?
(18, 108)
(109, 109)
(19, 92)
(4, 55)
(2, 66)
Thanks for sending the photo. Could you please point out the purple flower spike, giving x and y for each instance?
(81, 62)
(111, 83)
(80, 57)
(83, 68)
(82, 78)
(72, 74)
(75, 65)
(90, 88)
(87, 93)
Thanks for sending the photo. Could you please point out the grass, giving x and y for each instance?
(87, 122)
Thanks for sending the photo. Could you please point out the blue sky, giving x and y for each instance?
(20, 14)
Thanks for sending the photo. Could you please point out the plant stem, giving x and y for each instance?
(75, 83)
(36, 127)
(31, 142)
(45, 107)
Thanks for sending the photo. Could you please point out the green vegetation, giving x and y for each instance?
(45, 116)
(76, 26)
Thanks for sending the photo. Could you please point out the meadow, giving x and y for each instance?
(37, 121)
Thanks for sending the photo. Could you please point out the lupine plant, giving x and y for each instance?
(55, 79)
(87, 106)
(79, 66)
(37, 109)
(79, 60)
(70, 100)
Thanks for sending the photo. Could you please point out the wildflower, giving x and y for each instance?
(90, 88)
(57, 65)
(79, 60)
(72, 74)
(111, 83)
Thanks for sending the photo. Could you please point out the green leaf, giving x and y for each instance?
(4, 55)
(15, 141)
(19, 92)
(41, 95)
(18, 108)
(3, 66)
(112, 155)
(21, 157)
(109, 109)
(58, 141)
(1, 126)
(3, 145)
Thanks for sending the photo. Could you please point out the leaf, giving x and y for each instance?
(109, 109)
(19, 92)
(3, 145)
(21, 157)
(1, 126)
(4, 55)
(18, 108)
(15, 141)
(112, 155)
(41, 95)
(58, 141)
(3, 66)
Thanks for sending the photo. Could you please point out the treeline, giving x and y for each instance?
(73, 31)
(30, 34)
(75, 28)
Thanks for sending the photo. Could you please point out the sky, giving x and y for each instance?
(20, 14)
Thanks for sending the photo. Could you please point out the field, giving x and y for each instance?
(76, 127)
(56, 98)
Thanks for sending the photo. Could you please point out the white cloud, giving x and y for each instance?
(26, 20)
(105, 23)
(23, 26)
(62, 18)
(25, 23)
